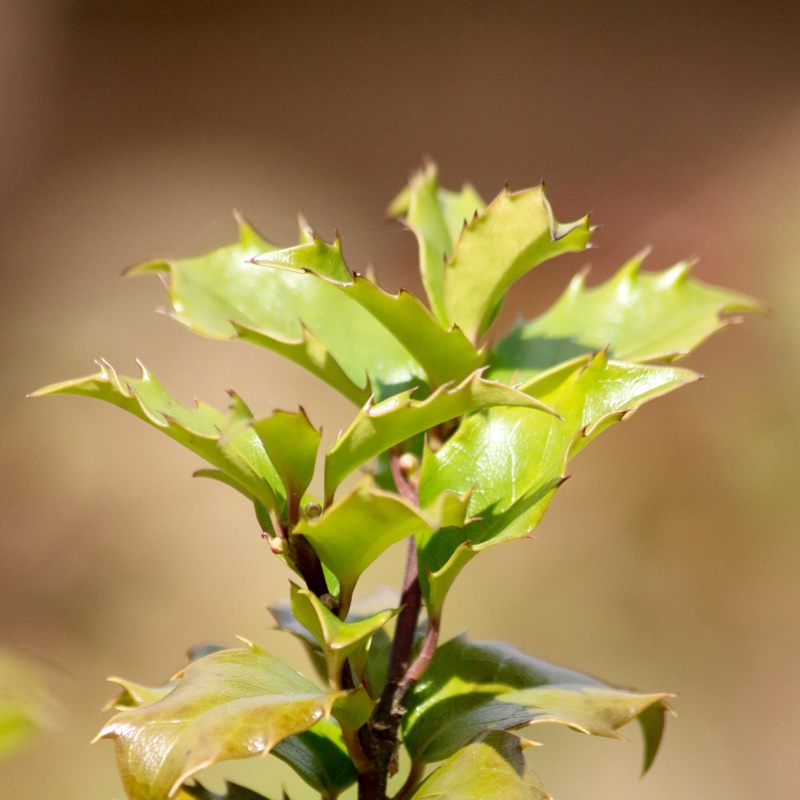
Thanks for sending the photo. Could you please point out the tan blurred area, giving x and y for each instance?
(670, 561)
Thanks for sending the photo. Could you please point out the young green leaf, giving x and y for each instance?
(338, 640)
(513, 459)
(134, 695)
(516, 233)
(224, 295)
(640, 316)
(490, 768)
(291, 443)
(378, 428)
(436, 217)
(470, 688)
(225, 442)
(355, 530)
(230, 704)
(445, 355)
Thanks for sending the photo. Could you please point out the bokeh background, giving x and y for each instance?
(670, 561)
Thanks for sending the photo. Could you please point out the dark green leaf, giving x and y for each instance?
(320, 758)
(232, 792)
(470, 688)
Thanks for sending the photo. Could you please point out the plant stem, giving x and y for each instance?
(414, 774)
(308, 564)
(416, 670)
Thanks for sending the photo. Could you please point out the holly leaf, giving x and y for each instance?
(319, 756)
(231, 704)
(436, 217)
(291, 443)
(365, 606)
(470, 688)
(514, 459)
(356, 529)
(379, 427)
(639, 316)
(228, 443)
(490, 768)
(444, 354)
(224, 295)
(134, 695)
(233, 791)
(516, 233)
(338, 640)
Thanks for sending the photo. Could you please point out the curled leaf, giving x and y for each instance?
(473, 687)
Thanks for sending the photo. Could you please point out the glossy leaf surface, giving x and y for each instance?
(231, 704)
(444, 354)
(356, 529)
(514, 234)
(513, 459)
(338, 640)
(291, 443)
(470, 688)
(491, 768)
(639, 316)
(378, 428)
(436, 216)
(222, 294)
(363, 607)
(227, 442)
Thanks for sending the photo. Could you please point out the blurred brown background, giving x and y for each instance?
(670, 560)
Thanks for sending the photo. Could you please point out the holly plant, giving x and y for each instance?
(457, 445)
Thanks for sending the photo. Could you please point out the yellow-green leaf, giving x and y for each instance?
(490, 768)
(444, 354)
(379, 427)
(356, 529)
(436, 216)
(513, 235)
(26, 704)
(338, 640)
(230, 704)
(228, 443)
(224, 295)
(639, 316)
(291, 443)
(513, 459)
